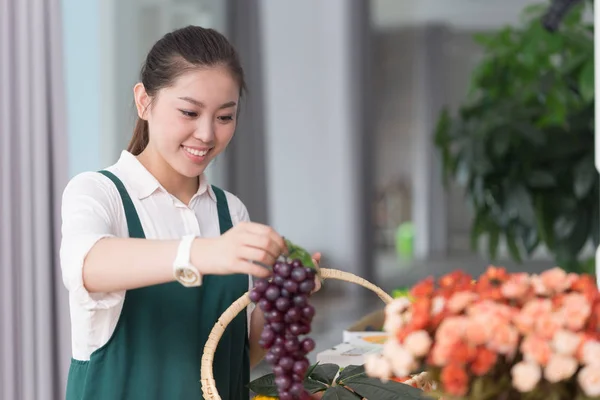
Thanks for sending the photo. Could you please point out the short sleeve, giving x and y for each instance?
(90, 212)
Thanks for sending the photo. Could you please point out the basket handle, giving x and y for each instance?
(209, 388)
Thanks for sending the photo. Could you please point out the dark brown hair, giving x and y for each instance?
(173, 55)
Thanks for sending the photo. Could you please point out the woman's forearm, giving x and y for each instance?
(257, 353)
(115, 264)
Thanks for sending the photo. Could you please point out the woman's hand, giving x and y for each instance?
(238, 250)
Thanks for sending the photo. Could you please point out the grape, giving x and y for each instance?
(300, 300)
(293, 315)
(290, 286)
(306, 286)
(271, 358)
(282, 304)
(285, 303)
(308, 311)
(272, 293)
(291, 345)
(308, 345)
(285, 270)
(285, 396)
(295, 329)
(265, 305)
(297, 389)
(278, 280)
(255, 296)
(283, 382)
(298, 274)
(261, 285)
(274, 316)
(287, 363)
(300, 367)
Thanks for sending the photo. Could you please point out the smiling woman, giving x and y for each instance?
(152, 254)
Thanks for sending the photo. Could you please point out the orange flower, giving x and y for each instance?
(455, 380)
(484, 361)
(424, 288)
(461, 353)
(421, 313)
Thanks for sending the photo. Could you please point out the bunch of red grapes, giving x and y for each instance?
(288, 314)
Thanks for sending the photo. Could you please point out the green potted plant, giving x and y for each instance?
(522, 142)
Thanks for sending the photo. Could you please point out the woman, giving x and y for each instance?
(151, 253)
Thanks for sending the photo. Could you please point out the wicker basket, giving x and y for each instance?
(206, 370)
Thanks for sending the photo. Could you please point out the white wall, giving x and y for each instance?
(313, 159)
(468, 14)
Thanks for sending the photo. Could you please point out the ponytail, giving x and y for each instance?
(139, 140)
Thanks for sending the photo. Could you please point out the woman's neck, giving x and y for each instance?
(180, 186)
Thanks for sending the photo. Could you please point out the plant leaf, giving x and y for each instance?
(585, 177)
(297, 252)
(314, 386)
(541, 179)
(311, 369)
(586, 81)
(349, 372)
(339, 393)
(519, 201)
(325, 373)
(372, 388)
(513, 247)
(264, 385)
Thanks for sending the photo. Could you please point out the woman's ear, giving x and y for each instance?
(142, 100)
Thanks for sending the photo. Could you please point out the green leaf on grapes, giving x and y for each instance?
(313, 386)
(265, 385)
(339, 393)
(373, 388)
(325, 373)
(297, 252)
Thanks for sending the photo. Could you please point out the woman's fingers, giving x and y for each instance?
(256, 254)
(246, 267)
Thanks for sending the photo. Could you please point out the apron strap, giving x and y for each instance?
(133, 220)
(223, 209)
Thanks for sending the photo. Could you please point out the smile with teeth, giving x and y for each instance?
(198, 153)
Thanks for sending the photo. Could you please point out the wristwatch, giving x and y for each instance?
(183, 270)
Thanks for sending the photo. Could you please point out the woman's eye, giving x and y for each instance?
(189, 114)
(226, 118)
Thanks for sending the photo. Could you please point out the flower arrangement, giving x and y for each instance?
(504, 336)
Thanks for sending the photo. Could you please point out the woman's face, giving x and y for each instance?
(193, 120)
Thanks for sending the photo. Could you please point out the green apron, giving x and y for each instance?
(156, 348)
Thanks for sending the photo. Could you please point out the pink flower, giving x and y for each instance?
(478, 330)
(504, 339)
(401, 360)
(377, 366)
(418, 343)
(525, 376)
(531, 311)
(576, 310)
(440, 355)
(437, 305)
(547, 324)
(536, 349)
(555, 280)
(560, 368)
(516, 287)
(590, 353)
(393, 323)
(460, 300)
(589, 380)
(451, 330)
(566, 342)
(397, 306)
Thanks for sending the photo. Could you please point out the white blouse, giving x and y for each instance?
(92, 209)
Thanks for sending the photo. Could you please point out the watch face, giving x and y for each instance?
(186, 276)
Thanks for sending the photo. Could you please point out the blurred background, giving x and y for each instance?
(400, 138)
